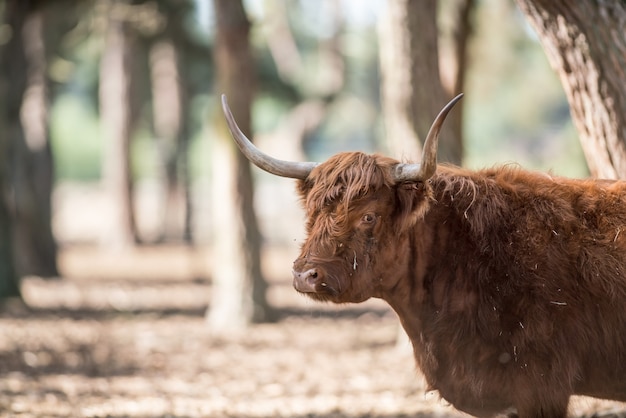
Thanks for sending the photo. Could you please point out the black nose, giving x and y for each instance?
(305, 281)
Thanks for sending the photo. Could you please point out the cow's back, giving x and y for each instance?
(524, 296)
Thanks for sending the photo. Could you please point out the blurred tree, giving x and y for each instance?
(454, 69)
(14, 14)
(31, 170)
(170, 104)
(412, 88)
(9, 280)
(116, 96)
(586, 44)
(238, 294)
(36, 247)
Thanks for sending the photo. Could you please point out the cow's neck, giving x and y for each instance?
(413, 292)
(404, 293)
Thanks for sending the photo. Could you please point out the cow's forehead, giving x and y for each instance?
(347, 176)
(351, 163)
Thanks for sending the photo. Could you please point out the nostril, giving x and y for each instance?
(306, 281)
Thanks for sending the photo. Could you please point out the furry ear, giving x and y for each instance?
(413, 203)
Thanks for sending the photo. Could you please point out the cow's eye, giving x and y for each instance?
(368, 218)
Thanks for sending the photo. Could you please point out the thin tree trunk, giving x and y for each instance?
(12, 85)
(36, 244)
(116, 116)
(9, 279)
(167, 100)
(29, 153)
(412, 91)
(238, 293)
(170, 109)
(585, 42)
(177, 32)
(461, 32)
(396, 62)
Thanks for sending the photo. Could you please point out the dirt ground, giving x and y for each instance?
(125, 336)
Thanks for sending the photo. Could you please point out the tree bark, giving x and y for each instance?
(461, 32)
(238, 293)
(29, 166)
(412, 91)
(116, 117)
(168, 56)
(36, 246)
(12, 85)
(167, 104)
(585, 42)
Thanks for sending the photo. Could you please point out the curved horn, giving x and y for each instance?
(428, 166)
(295, 170)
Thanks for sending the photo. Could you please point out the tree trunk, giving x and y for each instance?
(170, 103)
(238, 294)
(36, 246)
(30, 158)
(412, 91)
(461, 11)
(12, 85)
(9, 279)
(167, 104)
(585, 42)
(116, 117)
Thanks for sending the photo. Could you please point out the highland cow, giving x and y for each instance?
(510, 284)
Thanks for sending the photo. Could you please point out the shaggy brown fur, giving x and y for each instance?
(510, 284)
